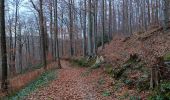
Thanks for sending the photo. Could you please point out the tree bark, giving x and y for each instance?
(90, 30)
(4, 84)
(71, 27)
(41, 21)
(166, 15)
(103, 23)
(84, 29)
(56, 35)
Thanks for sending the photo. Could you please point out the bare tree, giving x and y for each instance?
(42, 29)
(84, 28)
(103, 23)
(56, 35)
(90, 30)
(166, 14)
(4, 84)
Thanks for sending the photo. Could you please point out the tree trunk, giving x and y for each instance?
(56, 35)
(51, 27)
(20, 48)
(84, 30)
(71, 27)
(103, 23)
(110, 20)
(90, 29)
(166, 15)
(41, 21)
(4, 84)
(95, 26)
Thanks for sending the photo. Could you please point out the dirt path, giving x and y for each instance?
(74, 84)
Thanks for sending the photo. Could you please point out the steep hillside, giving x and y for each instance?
(148, 46)
(137, 65)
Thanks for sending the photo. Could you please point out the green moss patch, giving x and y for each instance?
(106, 93)
(162, 92)
(83, 62)
(167, 57)
(108, 69)
(42, 80)
(133, 74)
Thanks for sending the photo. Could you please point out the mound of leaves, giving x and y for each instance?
(162, 92)
(133, 74)
(41, 81)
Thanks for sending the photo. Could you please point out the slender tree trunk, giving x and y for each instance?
(110, 20)
(84, 30)
(95, 26)
(46, 36)
(4, 84)
(62, 33)
(131, 16)
(41, 21)
(166, 14)
(90, 29)
(103, 23)
(71, 27)
(15, 32)
(149, 19)
(11, 48)
(56, 35)
(20, 48)
(51, 27)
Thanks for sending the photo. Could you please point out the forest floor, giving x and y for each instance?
(76, 83)
(79, 83)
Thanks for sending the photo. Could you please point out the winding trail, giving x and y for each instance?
(74, 83)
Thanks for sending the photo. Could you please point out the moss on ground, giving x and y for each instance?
(167, 57)
(133, 74)
(108, 69)
(162, 92)
(42, 80)
(83, 62)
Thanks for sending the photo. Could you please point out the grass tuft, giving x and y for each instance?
(42, 80)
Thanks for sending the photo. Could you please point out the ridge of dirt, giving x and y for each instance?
(71, 85)
(148, 48)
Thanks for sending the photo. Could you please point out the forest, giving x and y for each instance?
(85, 49)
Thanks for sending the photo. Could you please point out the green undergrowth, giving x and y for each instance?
(132, 73)
(101, 81)
(135, 75)
(106, 93)
(162, 92)
(32, 68)
(135, 98)
(41, 81)
(83, 62)
(108, 69)
(167, 57)
(90, 64)
(86, 73)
